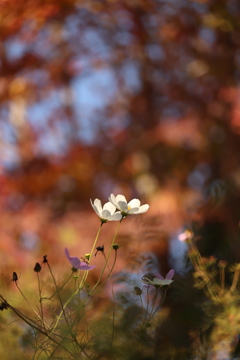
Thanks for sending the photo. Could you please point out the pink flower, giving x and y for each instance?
(186, 235)
(168, 279)
(157, 280)
(77, 263)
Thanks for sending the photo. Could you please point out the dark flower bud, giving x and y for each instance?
(37, 267)
(99, 249)
(15, 276)
(137, 290)
(45, 261)
(4, 305)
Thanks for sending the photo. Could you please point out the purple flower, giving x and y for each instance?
(76, 263)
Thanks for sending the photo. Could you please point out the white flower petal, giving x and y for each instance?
(121, 198)
(96, 211)
(158, 276)
(167, 282)
(157, 281)
(115, 217)
(105, 214)
(134, 211)
(143, 209)
(98, 205)
(95, 208)
(122, 205)
(113, 200)
(161, 282)
(134, 203)
(110, 207)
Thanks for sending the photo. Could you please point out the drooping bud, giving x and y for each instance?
(15, 277)
(99, 249)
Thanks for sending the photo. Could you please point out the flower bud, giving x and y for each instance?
(115, 246)
(37, 267)
(137, 290)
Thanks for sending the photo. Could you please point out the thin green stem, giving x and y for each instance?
(59, 288)
(28, 302)
(63, 312)
(66, 303)
(145, 318)
(85, 275)
(108, 255)
(153, 304)
(235, 281)
(109, 274)
(95, 241)
(40, 300)
(164, 296)
(204, 275)
(222, 279)
(141, 301)
(34, 326)
(114, 304)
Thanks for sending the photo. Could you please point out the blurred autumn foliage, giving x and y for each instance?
(139, 97)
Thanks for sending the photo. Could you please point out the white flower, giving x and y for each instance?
(107, 212)
(133, 207)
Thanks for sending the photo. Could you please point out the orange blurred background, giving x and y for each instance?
(139, 98)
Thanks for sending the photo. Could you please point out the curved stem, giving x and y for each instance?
(64, 314)
(108, 255)
(114, 304)
(153, 304)
(40, 300)
(235, 281)
(95, 241)
(29, 303)
(164, 296)
(110, 272)
(85, 275)
(34, 326)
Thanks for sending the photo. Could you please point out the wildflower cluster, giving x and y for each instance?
(222, 304)
(63, 333)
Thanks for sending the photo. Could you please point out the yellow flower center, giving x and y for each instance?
(129, 207)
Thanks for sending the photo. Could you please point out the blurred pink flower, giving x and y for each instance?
(157, 279)
(76, 263)
(186, 235)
